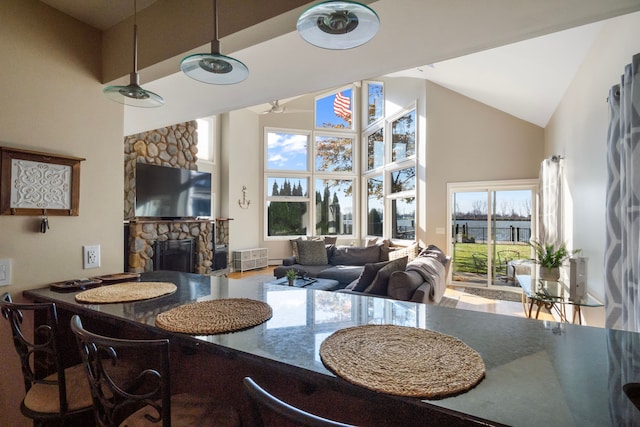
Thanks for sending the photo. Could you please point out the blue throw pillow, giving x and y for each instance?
(379, 284)
(368, 274)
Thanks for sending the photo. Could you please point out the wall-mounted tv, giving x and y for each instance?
(166, 192)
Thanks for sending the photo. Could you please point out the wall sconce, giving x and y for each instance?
(244, 203)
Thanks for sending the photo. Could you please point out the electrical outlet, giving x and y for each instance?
(91, 256)
(5, 272)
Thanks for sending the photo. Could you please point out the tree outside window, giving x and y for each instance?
(287, 206)
(375, 149)
(403, 137)
(375, 206)
(334, 206)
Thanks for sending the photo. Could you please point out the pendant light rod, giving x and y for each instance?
(215, 41)
(135, 36)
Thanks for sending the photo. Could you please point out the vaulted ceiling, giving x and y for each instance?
(518, 58)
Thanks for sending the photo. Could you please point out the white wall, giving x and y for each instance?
(240, 166)
(51, 101)
(578, 131)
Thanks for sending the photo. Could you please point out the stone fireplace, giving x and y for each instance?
(173, 146)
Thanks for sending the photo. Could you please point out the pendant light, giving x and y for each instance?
(132, 94)
(214, 68)
(338, 24)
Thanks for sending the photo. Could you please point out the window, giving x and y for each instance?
(334, 206)
(287, 206)
(206, 132)
(335, 111)
(287, 182)
(334, 153)
(403, 137)
(375, 149)
(390, 173)
(311, 197)
(375, 101)
(375, 206)
(312, 179)
(287, 151)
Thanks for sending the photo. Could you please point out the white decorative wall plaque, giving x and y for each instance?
(34, 183)
(39, 185)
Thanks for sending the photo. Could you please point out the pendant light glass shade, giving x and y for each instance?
(338, 24)
(214, 68)
(133, 95)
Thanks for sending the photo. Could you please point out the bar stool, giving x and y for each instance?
(52, 393)
(291, 413)
(144, 398)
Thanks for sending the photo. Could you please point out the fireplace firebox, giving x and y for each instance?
(174, 255)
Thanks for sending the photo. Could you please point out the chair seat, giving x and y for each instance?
(190, 410)
(44, 398)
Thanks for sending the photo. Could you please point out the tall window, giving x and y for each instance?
(312, 178)
(287, 180)
(390, 176)
(206, 132)
(310, 175)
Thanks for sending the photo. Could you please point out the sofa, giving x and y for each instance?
(377, 269)
(316, 258)
(422, 279)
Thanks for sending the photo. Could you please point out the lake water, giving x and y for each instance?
(506, 231)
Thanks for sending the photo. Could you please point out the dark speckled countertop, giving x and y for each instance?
(539, 373)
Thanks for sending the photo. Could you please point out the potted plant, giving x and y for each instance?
(550, 258)
(291, 275)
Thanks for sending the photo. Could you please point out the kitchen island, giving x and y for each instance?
(537, 372)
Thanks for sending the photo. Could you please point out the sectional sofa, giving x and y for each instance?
(379, 269)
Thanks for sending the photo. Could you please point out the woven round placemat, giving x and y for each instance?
(126, 292)
(215, 317)
(402, 361)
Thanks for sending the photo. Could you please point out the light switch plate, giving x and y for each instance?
(5, 271)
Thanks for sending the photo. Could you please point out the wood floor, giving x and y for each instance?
(466, 301)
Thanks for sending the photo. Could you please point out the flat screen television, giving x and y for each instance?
(171, 193)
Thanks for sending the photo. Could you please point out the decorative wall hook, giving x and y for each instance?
(44, 222)
(244, 203)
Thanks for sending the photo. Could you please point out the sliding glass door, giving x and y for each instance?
(491, 224)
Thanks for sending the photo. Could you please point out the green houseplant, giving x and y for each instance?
(291, 275)
(550, 258)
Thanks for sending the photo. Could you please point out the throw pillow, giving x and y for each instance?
(312, 252)
(372, 241)
(410, 252)
(379, 284)
(367, 275)
(330, 240)
(354, 255)
(294, 248)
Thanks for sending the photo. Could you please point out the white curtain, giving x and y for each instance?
(550, 200)
(622, 254)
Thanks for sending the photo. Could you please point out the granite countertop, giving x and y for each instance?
(537, 372)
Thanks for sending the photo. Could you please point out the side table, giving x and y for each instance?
(553, 295)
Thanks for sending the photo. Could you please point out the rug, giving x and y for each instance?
(451, 302)
(126, 292)
(215, 317)
(402, 361)
(493, 294)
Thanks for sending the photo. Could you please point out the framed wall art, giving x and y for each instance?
(36, 183)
